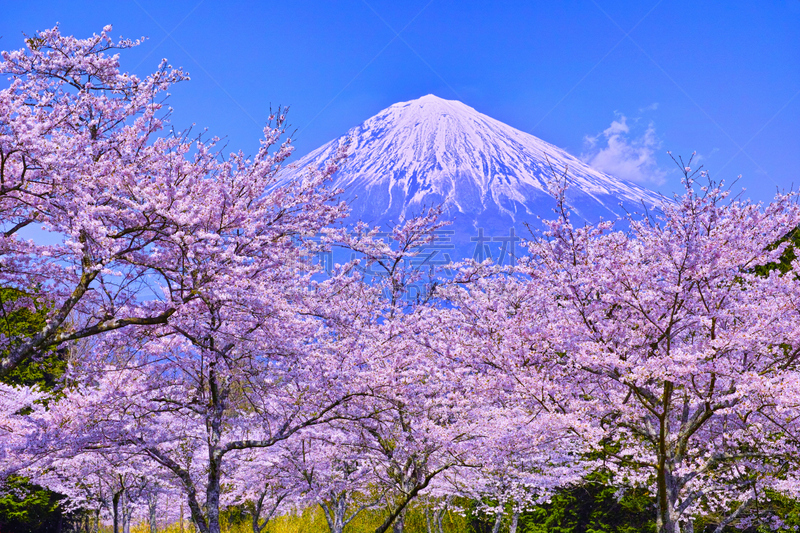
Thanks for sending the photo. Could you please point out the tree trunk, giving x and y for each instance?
(335, 512)
(514, 521)
(667, 492)
(127, 511)
(439, 515)
(433, 518)
(212, 497)
(341, 512)
(152, 502)
(667, 497)
(497, 523)
(214, 428)
(115, 510)
(399, 524)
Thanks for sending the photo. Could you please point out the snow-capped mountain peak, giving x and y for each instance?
(488, 175)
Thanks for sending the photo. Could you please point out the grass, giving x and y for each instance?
(312, 520)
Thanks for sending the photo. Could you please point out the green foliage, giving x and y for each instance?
(784, 265)
(27, 508)
(44, 372)
(20, 322)
(17, 321)
(594, 506)
(786, 509)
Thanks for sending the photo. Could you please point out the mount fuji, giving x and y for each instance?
(490, 178)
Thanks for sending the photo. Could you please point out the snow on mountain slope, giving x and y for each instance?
(488, 175)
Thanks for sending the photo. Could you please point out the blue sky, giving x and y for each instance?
(617, 82)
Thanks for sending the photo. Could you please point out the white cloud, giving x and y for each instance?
(620, 152)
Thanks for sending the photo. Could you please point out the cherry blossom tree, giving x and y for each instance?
(261, 481)
(103, 483)
(445, 420)
(532, 432)
(333, 473)
(210, 253)
(244, 368)
(415, 425)
(80, 157)
(677, 346)
(267, 357)
(15, 426)
(332, 464)
(407, 452)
